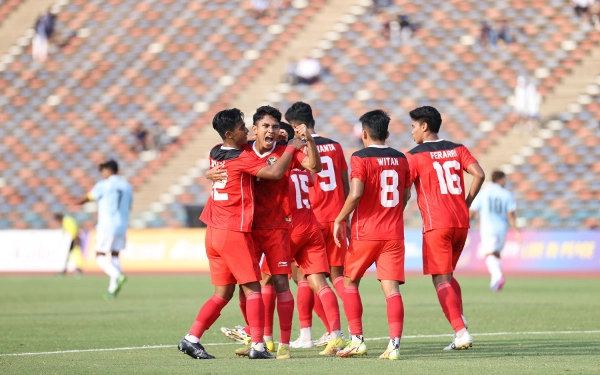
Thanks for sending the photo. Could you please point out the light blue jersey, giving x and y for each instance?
(114, 196)
(493, 204)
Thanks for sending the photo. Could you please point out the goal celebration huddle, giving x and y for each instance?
(284, 206)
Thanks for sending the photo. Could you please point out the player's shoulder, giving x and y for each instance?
(441, 145)
(378, 152)
(221, 153)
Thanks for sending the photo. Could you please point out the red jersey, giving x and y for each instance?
(272, 208)
(437, 171)
(327, 195)
(231, 202)
(379, 215)
(303, 218)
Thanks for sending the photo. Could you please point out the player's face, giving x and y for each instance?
(240, 134)
(267, 132)
(106, 173)
(283, 136)
(417, 132)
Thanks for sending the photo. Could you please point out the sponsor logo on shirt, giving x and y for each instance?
(282, 264)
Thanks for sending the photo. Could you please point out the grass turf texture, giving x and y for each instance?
(41, 314)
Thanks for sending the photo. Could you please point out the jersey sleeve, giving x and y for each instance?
(466, 158)
(412, 167)
(512, 204)
(476, 204)
(246, 163)
(96, 192)
(358, 169)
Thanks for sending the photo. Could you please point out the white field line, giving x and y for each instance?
(366, 339)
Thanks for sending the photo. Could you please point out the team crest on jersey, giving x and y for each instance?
(271, 160)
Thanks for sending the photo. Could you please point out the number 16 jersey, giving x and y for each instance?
(436, 168)
(385, 174)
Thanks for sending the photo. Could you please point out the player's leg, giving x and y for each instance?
(336, 257)
(390, 271)
(269, 298)
(305, 300)
(103, 248)
(492, 260)
(71, 247)
(256, 315)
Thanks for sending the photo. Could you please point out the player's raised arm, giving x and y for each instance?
(277, 170)
(478, 174)
(357, 188)
(313, 161)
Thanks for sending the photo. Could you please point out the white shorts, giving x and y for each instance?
(110, 243)
(491, 244)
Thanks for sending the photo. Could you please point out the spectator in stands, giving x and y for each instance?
(520, 99)
(260, 8)
(534, 100)
(290, 72)
(595, 14)
(308, 71)
(44, 29)
(582, 8)
(385, 22)
(487, 35)
(407, 29)
(506, 32)
(142, 139)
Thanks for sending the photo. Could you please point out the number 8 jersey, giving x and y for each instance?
(385, 174)
(436, 168)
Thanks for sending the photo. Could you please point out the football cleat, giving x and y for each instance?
(299, 344)
(194, 350)
(498, 285)
(323, 340)
(120, 281)
(109, 296)
(392, 353)
(236, 334)
(245, 350)
(465, 342)
(334, 346)
(270, 345)
(283, 352)
(255, 354)
(353, 349)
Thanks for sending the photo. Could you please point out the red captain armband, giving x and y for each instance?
(290, 149)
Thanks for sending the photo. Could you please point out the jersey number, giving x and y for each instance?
(495, 206)
(301, 182)
(327, 173)
(449, 182)
(219, 196)
(387, 188)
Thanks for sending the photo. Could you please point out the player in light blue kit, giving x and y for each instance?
(497, 211)
(115, 197)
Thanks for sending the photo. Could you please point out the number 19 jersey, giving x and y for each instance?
(385, 174)
(231, 202)
(437, 168)
(327, 194)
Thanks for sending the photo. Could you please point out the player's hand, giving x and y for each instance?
(301, 132)
(338, 234)
(297, 144)
(216, 174)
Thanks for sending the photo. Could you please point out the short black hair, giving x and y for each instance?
(226, 121)
(498, 175)
(429, 115)
(111, 164)
(300, 112)
(266, 110)
(376, 123)
(288, 129)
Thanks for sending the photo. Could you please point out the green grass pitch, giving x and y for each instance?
(46, 314)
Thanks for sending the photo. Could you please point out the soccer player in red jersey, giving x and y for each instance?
(327, 197)
(379, 191)
(436, 168)
(229, 216)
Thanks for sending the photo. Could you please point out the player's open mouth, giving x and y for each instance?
(269, 140)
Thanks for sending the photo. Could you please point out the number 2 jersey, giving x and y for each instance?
(231, 202)
(436, 168)
(327, 194)
(379, 215)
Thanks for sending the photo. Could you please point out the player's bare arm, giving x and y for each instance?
(357, 188)
(512, 221)
(478, 174)
(346, 183)
(277, 170)
(406, 197)
(216, 174)
(313, 161)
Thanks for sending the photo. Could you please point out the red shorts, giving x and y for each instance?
(387, 255)
(231, 257)
(308, 251)
(275, 245)
(336, 256)
(441, 249)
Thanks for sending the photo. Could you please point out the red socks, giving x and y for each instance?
(456, 287)
(332, 309)
(208, 314)
(305, 300)
(395, 314)
(354, 309)
(268, 297)
(285, 310)
(451, 305)
(255, 310)
(338, 284)
(320, 311)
